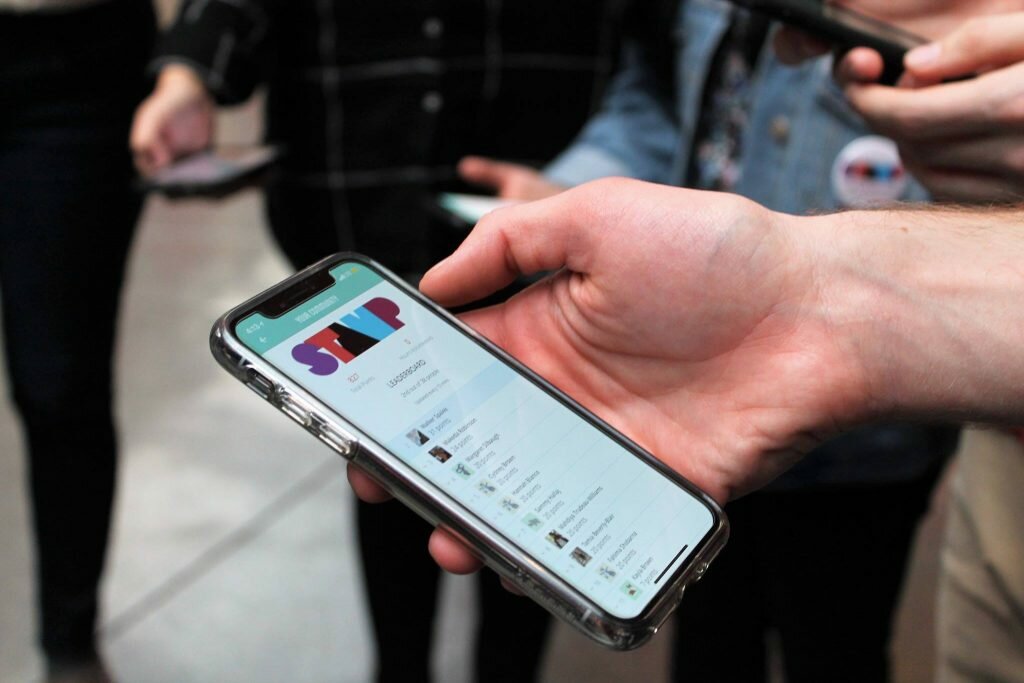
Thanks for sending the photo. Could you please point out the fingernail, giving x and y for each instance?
(923, 56)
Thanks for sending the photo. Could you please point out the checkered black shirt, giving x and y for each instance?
(371, 96)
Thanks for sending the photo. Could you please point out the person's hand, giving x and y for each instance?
(962, 140)
(688, 320)
(508, 181)
(175, 120)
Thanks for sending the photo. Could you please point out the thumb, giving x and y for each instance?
(980, 44)
(512, 241)
(149, 149)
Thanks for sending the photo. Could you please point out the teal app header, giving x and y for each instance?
(261, 333)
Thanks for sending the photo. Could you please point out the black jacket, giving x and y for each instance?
(376, 101)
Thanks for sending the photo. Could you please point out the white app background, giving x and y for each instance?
(601, 519)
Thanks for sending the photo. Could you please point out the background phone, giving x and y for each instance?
(213, 172)
(591, 526)
(843, 28)
(470, 208)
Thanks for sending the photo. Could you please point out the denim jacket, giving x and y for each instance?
(799, 124)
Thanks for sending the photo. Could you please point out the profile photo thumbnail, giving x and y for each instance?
(417, 437)
(440, 454)
(558, 539)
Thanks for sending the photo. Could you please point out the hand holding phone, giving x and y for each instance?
(843, 29)
(212, 172)
(959, 137)
(551, 497)
(176, 120)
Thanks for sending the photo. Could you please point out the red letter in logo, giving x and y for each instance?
(327, 339)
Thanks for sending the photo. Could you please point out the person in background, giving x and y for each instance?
(71, 74)
(965, 140)
(375, 103)
(724, 114)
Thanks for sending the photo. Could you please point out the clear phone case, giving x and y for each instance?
(433, 504)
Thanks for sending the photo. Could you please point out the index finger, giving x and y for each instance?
(981, 44)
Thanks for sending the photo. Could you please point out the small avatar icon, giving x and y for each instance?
(630, 590)
(441, 455)
(557, 539)
(532, 521)
(580, 555)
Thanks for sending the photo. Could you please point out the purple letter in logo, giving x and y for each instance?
(319, 363)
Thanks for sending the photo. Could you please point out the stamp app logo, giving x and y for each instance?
(349, 337)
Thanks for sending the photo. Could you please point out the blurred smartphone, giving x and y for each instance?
(467, 209)
(842, 28)
(580, 518)
(214, 172)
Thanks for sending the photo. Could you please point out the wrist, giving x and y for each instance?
(181, 78)
(926, 302)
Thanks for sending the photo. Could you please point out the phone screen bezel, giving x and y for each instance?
(717, 528)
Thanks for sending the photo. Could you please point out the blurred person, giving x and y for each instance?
(722, 113)
(375, 104)
(965, 140)
(962, 139)
(72, 72)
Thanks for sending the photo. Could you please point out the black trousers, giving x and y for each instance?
(402, 587)
(821, 567)
(68, 86)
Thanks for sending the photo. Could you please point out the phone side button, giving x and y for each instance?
(294, 409)
(260, 384)
(341, 443)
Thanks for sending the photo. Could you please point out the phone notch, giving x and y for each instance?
(303, 290)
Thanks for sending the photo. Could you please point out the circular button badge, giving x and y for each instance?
(868, 172)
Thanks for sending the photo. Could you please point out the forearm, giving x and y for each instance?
(930, 305)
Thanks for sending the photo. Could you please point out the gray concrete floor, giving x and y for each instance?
(233, 548)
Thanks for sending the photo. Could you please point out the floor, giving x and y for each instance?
(233, 557)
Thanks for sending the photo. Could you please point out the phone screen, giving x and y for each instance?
(576, 500)
(471, 208)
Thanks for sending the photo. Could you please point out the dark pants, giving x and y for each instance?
(401, 578)
(68, 86)
(823, 568)
(402, 586)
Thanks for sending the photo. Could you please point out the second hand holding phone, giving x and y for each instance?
(843, 28)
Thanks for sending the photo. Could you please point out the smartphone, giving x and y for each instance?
(580, 518)
(213, 172)
(468, 209)
(843, 28)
